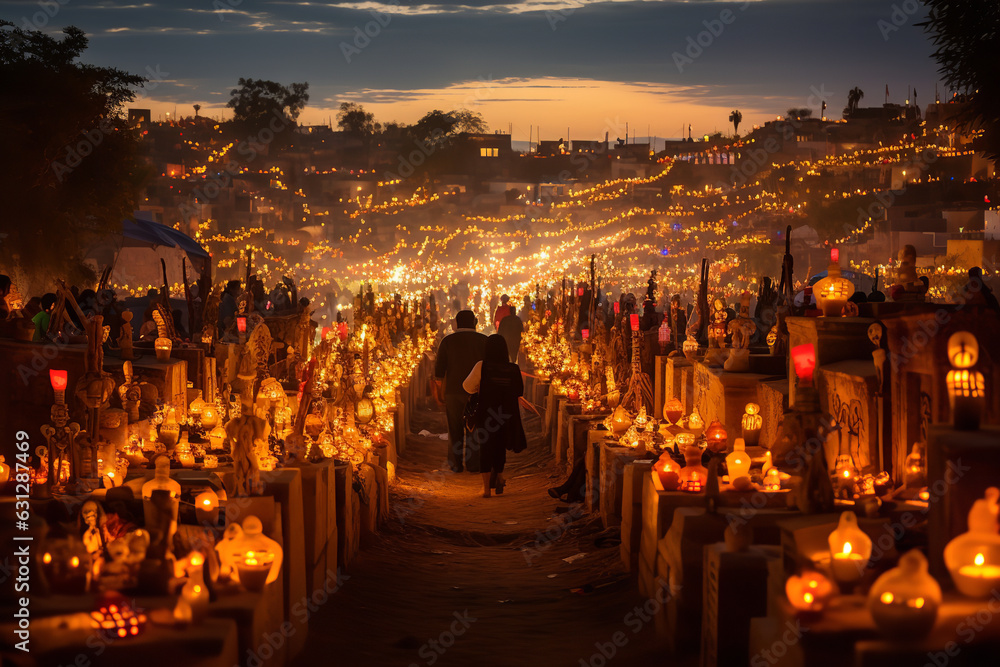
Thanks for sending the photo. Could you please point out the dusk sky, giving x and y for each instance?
(587, 66)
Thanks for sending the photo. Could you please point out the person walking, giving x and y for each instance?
(457, 354)
(498, 425)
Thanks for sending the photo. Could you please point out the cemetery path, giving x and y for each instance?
(457, 579)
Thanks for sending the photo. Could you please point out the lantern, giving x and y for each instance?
(809, 591)
(738, 462)
(114, 618)
(585, 333)
(241, 325)
(973, 558)
(238, 542)
(833, 291)
(217, 437)
(620, 421)
(693, 476)
(904, 601)
(170, 430)
(673, 410)
(751, 424)
(364, 410)
(804, 360)
(195, 592)
(772, 480)
(965, 387)
(850, 549)
(210, 416)
(668, 472)
(695, 423)
(206, 507)
(663, 336)
(915, 468)
(163, 347)
(716, 438)
(59, 380)
(4, 471)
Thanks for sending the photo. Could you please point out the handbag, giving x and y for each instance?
(471, 408)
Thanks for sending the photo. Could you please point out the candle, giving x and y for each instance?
(253, 570)
(206, 508)
(163, 347)
(738, 462)
(850, 549)
(634, 321)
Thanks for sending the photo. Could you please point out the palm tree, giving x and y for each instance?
(736, 118)
(853, 99)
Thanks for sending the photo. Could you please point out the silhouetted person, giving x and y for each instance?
(498, 417)
(456, 356)
(978, 293)
(511, 329)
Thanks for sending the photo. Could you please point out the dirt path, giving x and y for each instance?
(457, 579)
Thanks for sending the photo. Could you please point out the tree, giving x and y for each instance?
(257, 101)
(353, 118)
(469, 121)
(799, 114)
(736, 117)
(72, 169)
(854, 97)
(967, 37)
(197, 108)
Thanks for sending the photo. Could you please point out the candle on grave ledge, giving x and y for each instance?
(772, 480)
(217, 437)
(206, 507)
(904, 601)
(668, 472)
(973, 558)
(751, 424)
(253, 570)
(195, 592)
(716, 437)
(59, 380)
(163, 346)
(804, 361)
(833, 291)
(809, 592)
(850, 549)
(241, 328)
(966, 387)
(738, 461)
(673, 410)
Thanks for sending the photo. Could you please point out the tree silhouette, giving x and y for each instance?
(799, 114)
(736, 117)
(967, 37)
(257, 102)
(197, 108)
(854, 97)
(72, 169)
(353, 118)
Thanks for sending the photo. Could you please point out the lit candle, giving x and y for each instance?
(850, 549)
(253, 570)
(206, 507)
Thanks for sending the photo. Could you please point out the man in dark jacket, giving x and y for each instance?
(456, 356)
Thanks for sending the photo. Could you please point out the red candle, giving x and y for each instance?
(579, 291)
(241, 324)
(586, 333)
(618, 307)
(804, 359)
(59, 379)
(834, 255)
(634, 319)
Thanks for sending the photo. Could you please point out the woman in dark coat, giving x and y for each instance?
(498, 416)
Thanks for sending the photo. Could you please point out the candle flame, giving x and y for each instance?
(74, 561)
(980, 559)
(47, 558)
(847, 548)
(887, 598)
(808, 598)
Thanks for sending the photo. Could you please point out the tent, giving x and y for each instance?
(136, 254)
